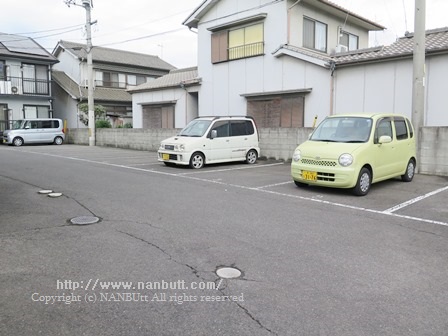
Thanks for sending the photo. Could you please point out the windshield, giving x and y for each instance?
(17, 124)
(195, 128)
(343, 129)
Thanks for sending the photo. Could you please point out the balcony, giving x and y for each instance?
(24, 86)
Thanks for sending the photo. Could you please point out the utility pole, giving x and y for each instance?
(87, 4)
(418, 88)
(90, 101)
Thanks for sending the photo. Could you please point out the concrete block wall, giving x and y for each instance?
(434, 151)
(275, 143)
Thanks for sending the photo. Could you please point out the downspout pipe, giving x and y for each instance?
(289, 21)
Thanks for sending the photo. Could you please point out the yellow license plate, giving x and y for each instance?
(309, 176)
(165, 156)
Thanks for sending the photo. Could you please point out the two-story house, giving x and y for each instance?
(25, 77)
(270, 59)
(115, 71)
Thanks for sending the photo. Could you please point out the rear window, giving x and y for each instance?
(241, 127)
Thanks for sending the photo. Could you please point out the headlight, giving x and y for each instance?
(180, 148)
(345, 160)
(162, 146)
(297, 155)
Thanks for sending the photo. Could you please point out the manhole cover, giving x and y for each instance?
(84, 220)
(228, 272)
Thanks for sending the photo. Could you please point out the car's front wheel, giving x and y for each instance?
(364, 182)
(17, 142)
(410, 171)
(197, 160)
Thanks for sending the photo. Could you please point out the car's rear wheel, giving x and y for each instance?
(251, 156)
(364, 182)
(58, 141)
(17, 142)
(197, 160)
(410, 171)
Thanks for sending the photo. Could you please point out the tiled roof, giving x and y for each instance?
(188, 76)
(99, 94)
(436, 41)
(115, 56)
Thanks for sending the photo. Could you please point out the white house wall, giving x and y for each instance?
(333, 24)
(70, 65)
(387, 87)
(183, 101)
(436, 91)
(223, 84)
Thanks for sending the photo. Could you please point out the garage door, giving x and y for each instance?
(281, 111)
(158, 116)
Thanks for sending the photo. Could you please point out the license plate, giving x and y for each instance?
(165, 156)
(309, 176)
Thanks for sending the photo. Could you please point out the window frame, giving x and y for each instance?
(314, 35)
(344, 33)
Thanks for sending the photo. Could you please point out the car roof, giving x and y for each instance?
(367, 115)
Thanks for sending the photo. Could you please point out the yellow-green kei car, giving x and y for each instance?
(356, 150)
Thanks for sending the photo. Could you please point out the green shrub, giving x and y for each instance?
(127, 125)
(103, 124)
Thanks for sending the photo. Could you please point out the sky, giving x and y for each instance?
(155, 27)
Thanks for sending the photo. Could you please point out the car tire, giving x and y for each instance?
(364, 182)
(18, 141)
(410, 171)
(197, 160)
(301, 184)
(58, 141)
(251, 156)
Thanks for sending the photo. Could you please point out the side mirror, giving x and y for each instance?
(214, 134)
(27, 127)
(384, 139)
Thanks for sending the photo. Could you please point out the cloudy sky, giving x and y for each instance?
(155, 27)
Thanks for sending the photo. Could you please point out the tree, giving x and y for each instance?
(100, 112)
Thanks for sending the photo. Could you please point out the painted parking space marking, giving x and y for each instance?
(415, 200)
(387, 212)
(231, 169)
(273, 185)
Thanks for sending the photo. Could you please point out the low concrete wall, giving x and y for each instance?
(434, 151)
(275, 143)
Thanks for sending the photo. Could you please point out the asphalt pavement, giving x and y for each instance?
(313, 261)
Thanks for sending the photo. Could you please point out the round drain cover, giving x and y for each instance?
(45, 191)
(55, 194)
(84, 220)
(228, 272)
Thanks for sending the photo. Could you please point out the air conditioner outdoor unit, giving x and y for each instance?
(341, 48)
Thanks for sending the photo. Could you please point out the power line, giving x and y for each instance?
(49, 30)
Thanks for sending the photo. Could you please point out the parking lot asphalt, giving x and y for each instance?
(314, 261)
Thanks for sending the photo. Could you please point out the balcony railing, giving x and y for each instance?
(24, 86)
(247, 50)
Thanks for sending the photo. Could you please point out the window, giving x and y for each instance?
(2, 70)
(401, 129)
(238, 43)
(349, 40)
(411, 131)
(384, 128)
(117, 80)
(222, 128)
(314, 35)
(241, 128)
(35, 79)
(32, 112)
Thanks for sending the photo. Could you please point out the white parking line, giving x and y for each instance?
(230, 169)
(273, 185)
(414, 200)
(385, 212)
